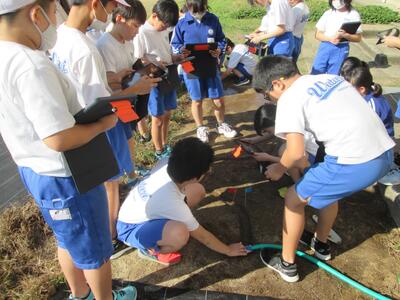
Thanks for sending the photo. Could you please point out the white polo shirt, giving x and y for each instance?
(336, 114)
(36, 101)
(279, 13)
(332, 20)
(157, 197)
(301, 14)
(78, 58)
(152, 44)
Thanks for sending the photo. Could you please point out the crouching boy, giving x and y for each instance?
(156, 216)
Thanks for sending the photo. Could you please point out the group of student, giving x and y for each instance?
(50, 74)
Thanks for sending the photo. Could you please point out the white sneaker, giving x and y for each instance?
(202, 134)
(391, 178)
(226, 130)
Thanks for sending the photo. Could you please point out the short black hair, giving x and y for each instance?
(347, 3)
(362, 77)
(349, 64)
(10, 17)
(272, 68)
(197, 6)
(167, 11)
(136, 12)
(264, 117)
(183, 9)
(190, 158)
(229, 43)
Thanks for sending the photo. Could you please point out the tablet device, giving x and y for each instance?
(152, 70)
(104, 106)
(201, 47)
(351, 28)
(182, 61)
(204, 64)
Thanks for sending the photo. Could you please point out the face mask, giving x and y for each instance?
(337, 4)
(100, 25)
(198, 16)
(49, 36)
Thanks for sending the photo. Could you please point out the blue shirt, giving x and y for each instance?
(190, 31)
(384, 111)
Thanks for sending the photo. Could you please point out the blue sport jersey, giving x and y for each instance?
(383, 110)
(190, 31)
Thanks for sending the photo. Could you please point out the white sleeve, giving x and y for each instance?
(139, 46)
(298, 15)
(109, 58)
(357, 18)
(90, 79)
(289, 116)
(281, 12)
(44, 102)
(321, 24)
(234, 58)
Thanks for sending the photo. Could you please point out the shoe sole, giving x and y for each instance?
(141, 255)
(120, 253)
(228, 137)
(333, 236)
(290, 279)
(243, 83)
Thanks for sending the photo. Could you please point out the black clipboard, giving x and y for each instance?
(205, 65)
(350, 27)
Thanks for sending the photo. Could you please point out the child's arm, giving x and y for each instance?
(79, 135)
(114, 79)
(177, 43)
(208, 239)
(262, 156)
(281, 29)
(392, 42)
(320, 36)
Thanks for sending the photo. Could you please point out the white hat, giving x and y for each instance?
(7, 6)
(123, 2)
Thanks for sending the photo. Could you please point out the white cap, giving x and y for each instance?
(123, 2)
(7, 6)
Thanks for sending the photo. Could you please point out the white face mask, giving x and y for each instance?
(100, 25)
(198, 16)
(49, 36)
(338, 4)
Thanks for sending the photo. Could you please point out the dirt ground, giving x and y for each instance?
(363, 223)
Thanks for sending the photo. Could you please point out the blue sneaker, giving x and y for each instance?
(164, 154)
(142, 171)
(90, 296)
(168, 148)
(127, 293)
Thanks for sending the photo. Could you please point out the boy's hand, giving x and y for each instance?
(391, 42)
(236, 249)
(145, 84)
(215, 53)
(257, 39)
(261, 156)
(108, 122)
(275, 171)
(123, 73)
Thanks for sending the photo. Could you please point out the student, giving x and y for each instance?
(301, 15)
(278, 30)
(201, 26)
(361, 78)
(358, 150)
(127, 21)
(78, 58)
(332, 51)
(156, 216)
(37, 124)
(241, 63)
(264, 123)
(152, 45)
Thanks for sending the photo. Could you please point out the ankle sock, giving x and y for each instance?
(285, 263)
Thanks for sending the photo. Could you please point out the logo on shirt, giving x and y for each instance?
(61, 65)
(210, 32)
(322, 89)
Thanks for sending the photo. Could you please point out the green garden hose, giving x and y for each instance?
(327, 268)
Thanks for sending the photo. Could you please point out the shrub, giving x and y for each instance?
(374, 14)
(248, 12)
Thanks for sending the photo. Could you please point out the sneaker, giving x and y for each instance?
(90, 296)
(321, 250)
(226, 130)
(163, 154)
(163, 259)
(391, 178)
(142, 171)
(127, 293)
(242, 81)
(202, 134)
(120, 249)
(288, 272)
(145, 138)
(167, 148)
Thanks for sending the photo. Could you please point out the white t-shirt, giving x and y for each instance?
(36, 102)
(157, 197)
(336, 114)
(152, 44)
(116, 55)
(332, 20)
(264, 24)
(94, 35)
(77, 57)
(301, 14)
(61, 15)
(241, 54)
(279, 13)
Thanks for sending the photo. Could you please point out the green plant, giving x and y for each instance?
(374, 14)
(248, 12)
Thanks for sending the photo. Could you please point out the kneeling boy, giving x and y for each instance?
(156, 216)
(356, 143)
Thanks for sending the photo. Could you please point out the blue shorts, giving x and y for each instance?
(119, 144)
(327, 182)
(141, 236)
(160, 103)
(128, 130)
(240, 67)
(200, 88)
(297, 44)
(281, 45)
(329, 58)
(79, 221)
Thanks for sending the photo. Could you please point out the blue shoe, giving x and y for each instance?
(90, 296)
(168, 148)
(142, 171)
(127, 293)
(164, 154)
